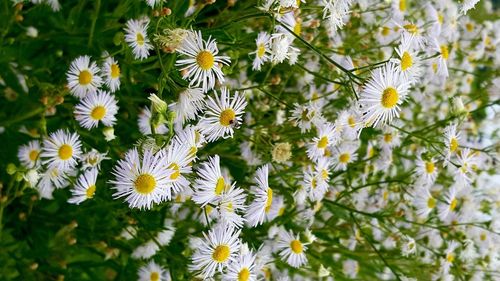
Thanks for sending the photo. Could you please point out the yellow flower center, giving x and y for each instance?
(296, 246)
(176, 172)
(221, 253)
(351, 121)
(387, 138)
(281, 211)
(453, 144)
(440, 18)
(390, 97)
(227, 117)
(323, 142)
(482, 236)
(115, 71)
(324, 174)
(145, 183)
(98, 112)
(385, 31)
(140, 39)
(453, 204)
(434, 67)
(193, 150)
(344, 157)
(154, 276)
(406, 61)
(469, 26)
(430, 167)
(413, 29)
(219, 187)
(402, 5)
(450, 257)
(445, 53)
(244, 274)
(85, 77)
(90, 191)
(65, 151)
(261, 50)
(297, 28)
(205, 60)
(269, 200)
(34, 155)
(431, 203)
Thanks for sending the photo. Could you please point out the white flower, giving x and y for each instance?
(408, 62)
(28, 154)
(291, 250)
(423, 201)
(62, 150)
(83, 77)
(92, 159)
(136, 36)
(242, 269)
(177, 158)
(153, 272)
(111, 72)
(262, 52)
(189, 104)
(51, 179)
(96, 107)
(201, 66)
(210, 183)
(232, 202)
(263, 198)
(84, 188)
(345, 154)
(327, 137)
(153, 3)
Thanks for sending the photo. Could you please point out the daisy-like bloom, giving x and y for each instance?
(334, 12)
(191, 137)
(409, 246)
(83, 77)
(291, 250)
(146, 250)
(111, 72)
(427, 171)
(51, 179)
(137, 37)
(451, 140)
(327, 137)
(232, 203)
(383, 94)
(423, 201)
(96, 107)
(345, 154)
(304, 116)
(202, 64)
(440, 64)
(143, 180)
(144, 123)
(292, 23)
(449, 205)
(467, 160)
(449, 257)
(178, 158)
(210, 183)
(218, 249)
(92, 159)
(28, 154)
(350, 268)
(153, 272)
(62, 150)
(189, 104)
(281, 48)
(262, 42)
(242, 269)
(389, 139)
(263, 198)
(408, 62)
(223, 114)
(316, 180)
(84, 188)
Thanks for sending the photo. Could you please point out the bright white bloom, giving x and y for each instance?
(137, 37)
(62, 150)
(345, 154)
(384, 93)
(262, 52)
(408, 62)
(178, 158)
(291, 250)
(93, 159)
(142, 180)
(54, 4)
(334, 12)
(28, 154)
(327, 137)
(210, 183)
(215, 252)
(111, 72)
(222, 115)
(409, 246)
(423, 201)
(100, 106)
(242, 269)
(427, 171)
(449, 205)
(451, 140)
(189, 104)
(83, 77)
(191, 137)
(304, 116)
(153, 272)
(51, 179)
(201, 67)
(84, 188)
(232, 204)
(263, 198)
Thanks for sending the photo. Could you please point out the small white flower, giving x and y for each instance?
(83, 77)
(84, 188)
(137, 37)
(96, 107)
(62, 150)
(291, 250)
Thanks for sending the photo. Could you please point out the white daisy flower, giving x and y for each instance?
(408, 63)
(153, 272)
(92, 159)
(28, 154)
(423, 202)
(188, 106)
(242, 269)
(291, 250)
(316, 179)
(383, 94)
(232, 204)
(304, 116)
(210, 183)
(84, 188)
(449, 205)
(137, 37)
(451, 140)
(146, 250)
(191, 137)
(345, 154)
(62, 150)
(96, 107)
(215, 252)
(327, 136)
(51, 179)
(262, 55)
(427, 171)
(467, 5)
(222, 115)
(142, 180)
(83, 77)
(111, 72)
(144, 123)
(440, 64)
(202, 65)
(263, 198)
(177, 158)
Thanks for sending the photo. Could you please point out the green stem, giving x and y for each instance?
(94, 20)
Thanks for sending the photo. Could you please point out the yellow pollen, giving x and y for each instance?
(313, 183)
(406, 61)
(176, 172)
(261, 50)
(65, 151)
(227, 117)
(297, 28)
(390, 97)
(440, 18)
(434, 67)
(469, 26)
(221, 253)
(402, 5)
(205, 60)
(324, 174)
(193, 150)
(296, 246)
(269, 200)
(33, 155)
(430, 167)
(385, 195)
(85, 77)
(431, 203)
(90, 191)
(450, 257)
(351, 121)
(344, 157)
(385, 31)
(445, 53)
(139, 39)
(209, 209)
(411, 28)
(281, 211)
(453, 204)
(115, 71)
(453, 144)
(323, 142)
(145, 183)
(482, 237)
(388, 138)
(154, 276)
(244, 274)
(219, 187)
(98, 112)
